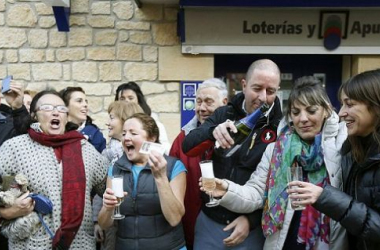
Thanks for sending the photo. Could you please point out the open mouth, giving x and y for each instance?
(55, 123)
(130, 148)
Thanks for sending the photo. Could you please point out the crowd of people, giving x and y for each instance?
(50, 139)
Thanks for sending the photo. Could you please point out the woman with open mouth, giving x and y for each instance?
(60, 164)
(155, 186)
(118, 112)
(76, 100)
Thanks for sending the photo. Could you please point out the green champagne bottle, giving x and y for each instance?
(244, 128)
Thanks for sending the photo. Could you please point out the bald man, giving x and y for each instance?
(218, 227)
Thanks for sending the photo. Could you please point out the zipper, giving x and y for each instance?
(252, 143)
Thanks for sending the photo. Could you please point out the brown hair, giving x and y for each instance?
(149, 125)
(123, 110)
(364, 88)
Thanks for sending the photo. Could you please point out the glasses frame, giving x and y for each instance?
(59, 108)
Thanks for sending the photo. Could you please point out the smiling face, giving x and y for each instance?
(128, 95)
(359, 120)
(78, 108)
(208, 99)
(115, 126)
(51, 122)
(307, 120)
(260, 88)
(133, 137)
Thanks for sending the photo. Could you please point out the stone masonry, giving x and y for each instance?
(109, 43)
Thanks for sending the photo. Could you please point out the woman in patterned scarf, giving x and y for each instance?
(309, 136)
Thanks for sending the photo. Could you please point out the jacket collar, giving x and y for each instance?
(124, 164)
(192, 124)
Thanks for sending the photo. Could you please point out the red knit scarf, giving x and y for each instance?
(67, 147)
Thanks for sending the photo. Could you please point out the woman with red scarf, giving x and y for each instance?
(60, 164)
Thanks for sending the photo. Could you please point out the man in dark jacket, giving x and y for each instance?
(218, 227)
(12, 118)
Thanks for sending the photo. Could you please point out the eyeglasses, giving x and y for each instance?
(49, 108)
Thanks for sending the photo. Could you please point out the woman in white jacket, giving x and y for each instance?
(309, 136)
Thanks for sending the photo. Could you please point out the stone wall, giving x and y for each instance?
(109, 43)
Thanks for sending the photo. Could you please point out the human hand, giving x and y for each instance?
(304, 193)
(220, 189)
(240, 231)
(222, 135)
(110, 200)
(98, 233)
(157, 164)
(22, 206)
(15, 97)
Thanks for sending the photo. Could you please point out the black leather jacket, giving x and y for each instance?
(239, 167)
(358, 207)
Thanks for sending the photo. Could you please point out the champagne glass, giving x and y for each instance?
(208, 181)
(118, 189)
(295, 174)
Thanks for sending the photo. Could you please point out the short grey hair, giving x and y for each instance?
(216, 83)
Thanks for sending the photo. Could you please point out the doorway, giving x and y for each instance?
(328, 68)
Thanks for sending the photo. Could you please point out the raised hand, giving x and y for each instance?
(222, 136)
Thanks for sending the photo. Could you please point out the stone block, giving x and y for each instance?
(140, 37)
(32, 55)
(140, 71)
(173, 86)
(12, 38)
(50, 56)
(77, 20)
(11, 56)
(123, 10)
(101, 8)
(129, 52)
(38, 38)
(74, 54)
(150, 53)
(152, 88)
(108, 100)
(167, 102)
(66, 72)
(47, 71)
(21, 15)
(97, 89)
(79, 6)
(101, 53)
(131, 25)
(105, 37)
(3, 71)
(2, 19)
(46, 22)
(19, 71)
(85, 71)
(150, 12)
(123, 36)
(110, 71)
(58, 86)
(100, 119)
(95, 103)
(37, 86)
(2, 5)
(57, 39)
(80, 37)
(101, 21)
(43, 9)
(165, 33)
(1, 56)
